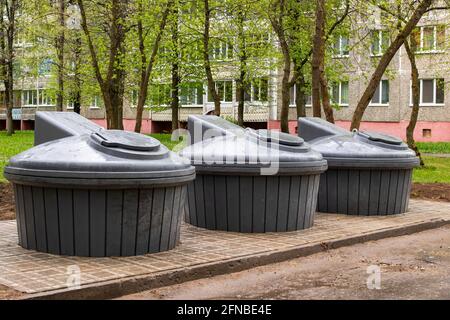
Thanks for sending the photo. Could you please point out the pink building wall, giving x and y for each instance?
(128, 124)
(440, 131)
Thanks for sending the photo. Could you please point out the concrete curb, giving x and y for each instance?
(119, 287)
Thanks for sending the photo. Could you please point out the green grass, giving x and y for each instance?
(434, 147)
(10, 146)
(435, 170)
(165, 139)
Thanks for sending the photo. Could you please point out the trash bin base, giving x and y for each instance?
(252, 203)
(364, 192)
(97, 222)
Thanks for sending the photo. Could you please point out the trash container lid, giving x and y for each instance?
(104, 158)
(381, 137)
(252, 151)
(280, 138)
(126, 140)
(358, 149)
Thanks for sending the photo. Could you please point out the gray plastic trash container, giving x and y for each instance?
(201, 127)
(51, 125)
(235, 191)
(369, 173)
(109, 193)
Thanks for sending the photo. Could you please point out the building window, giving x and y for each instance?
(293, 96)
(429, 38)
(340, 46)
(221, 50)
(191, 94)
(70, 105)
(380, 42)
(224, 89)
(45, 98)
(134, 97)
(260, 90)
(339, 93)
(29, 98)
(431, 92)
(97, 102)
(381, 95)
(426, 133)
(45, 66)
(34, 98)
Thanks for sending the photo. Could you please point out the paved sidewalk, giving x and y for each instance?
(201, 253)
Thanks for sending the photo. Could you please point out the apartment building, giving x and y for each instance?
(389, 110)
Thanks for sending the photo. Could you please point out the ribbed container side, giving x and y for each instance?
(252, 204)
(364, 192)
(99, 223)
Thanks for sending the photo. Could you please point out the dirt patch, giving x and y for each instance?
(431, 191)
(7, 293)
(7, 204)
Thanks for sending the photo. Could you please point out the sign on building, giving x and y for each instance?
(17, 114)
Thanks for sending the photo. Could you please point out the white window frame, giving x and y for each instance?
(427, 104)
(220, 56)
(94, 102)
(339, 103)
(380, 43)
(380, 93)
(340, 54)
(46, 99)
(70, 105)
(307, 105)
(196, 104)
(24, 97)
(434, 50)
(132, 103)
(215, 88)
(252, 93)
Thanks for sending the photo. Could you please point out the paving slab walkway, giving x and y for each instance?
(202, 253)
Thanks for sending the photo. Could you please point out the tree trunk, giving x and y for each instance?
(175, 85)
(241, 97)
(415, 99)
(9, 97)
(318, 57)
(278, 27)
(327, 109)
(384, 62)
(300, 98)
(60, 39)
(76, 96)
(112, 84)
(207, 63)
(146, 70)
(241, 83)
(7, 45)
